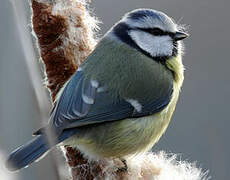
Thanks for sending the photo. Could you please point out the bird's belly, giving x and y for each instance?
(120, 138)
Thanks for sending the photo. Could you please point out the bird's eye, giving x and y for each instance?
(156, 32)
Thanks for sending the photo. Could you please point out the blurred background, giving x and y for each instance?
(199, 130)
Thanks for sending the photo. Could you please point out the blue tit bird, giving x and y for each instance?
(120, 100)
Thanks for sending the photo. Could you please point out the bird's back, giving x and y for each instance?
(114, 61)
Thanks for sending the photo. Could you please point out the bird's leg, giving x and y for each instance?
(124, 168)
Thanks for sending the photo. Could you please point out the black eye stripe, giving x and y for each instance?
(156, 31)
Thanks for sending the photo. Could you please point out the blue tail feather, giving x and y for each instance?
(31, 151)
(27, 153)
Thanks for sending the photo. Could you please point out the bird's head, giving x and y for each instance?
(152, 32)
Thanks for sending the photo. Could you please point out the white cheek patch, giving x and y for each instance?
(154, 45)
(137, 106)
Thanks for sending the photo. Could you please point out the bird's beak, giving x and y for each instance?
(180, 35)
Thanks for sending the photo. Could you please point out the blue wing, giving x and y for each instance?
(82, 103)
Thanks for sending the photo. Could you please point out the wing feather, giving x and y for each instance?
(80, 104)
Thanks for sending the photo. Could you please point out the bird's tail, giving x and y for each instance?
(27, 153)
(31, 151)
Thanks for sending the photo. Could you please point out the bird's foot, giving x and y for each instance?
(124, 168)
